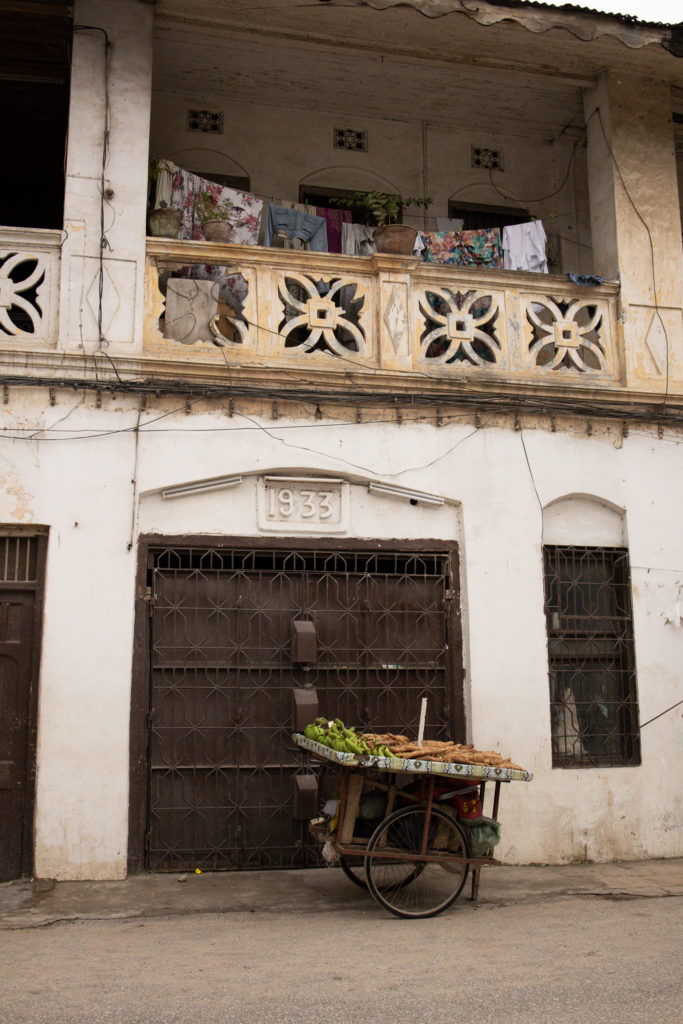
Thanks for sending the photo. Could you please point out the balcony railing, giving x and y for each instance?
(286, 308)
(29, 287)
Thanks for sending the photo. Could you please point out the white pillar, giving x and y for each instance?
(111, 81)
(635, 221)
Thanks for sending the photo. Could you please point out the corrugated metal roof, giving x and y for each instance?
(584, 22)
(629, 11)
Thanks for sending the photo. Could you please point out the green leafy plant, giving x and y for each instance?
(380, 208)
(208, 208)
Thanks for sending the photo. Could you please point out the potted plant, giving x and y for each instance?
(216, 216)
(384, 209)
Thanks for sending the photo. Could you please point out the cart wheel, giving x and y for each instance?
(437, 882)
(353, 866)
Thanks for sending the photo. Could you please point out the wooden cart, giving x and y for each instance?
(416, 861)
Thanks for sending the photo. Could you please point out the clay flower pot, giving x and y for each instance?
(164, 222)
(217, 230)
(398, 239)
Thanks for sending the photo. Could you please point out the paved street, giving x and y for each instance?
(544, 946)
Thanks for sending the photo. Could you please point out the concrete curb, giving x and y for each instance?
(40, 903)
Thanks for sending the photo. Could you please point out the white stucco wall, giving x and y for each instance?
(111, 72)
(81, 489)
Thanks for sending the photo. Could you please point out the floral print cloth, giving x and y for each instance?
(187, 189)
(463, 248)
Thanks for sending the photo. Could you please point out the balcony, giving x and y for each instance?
(29, 287)
(384, 320)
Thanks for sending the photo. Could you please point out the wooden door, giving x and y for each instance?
(16, 764)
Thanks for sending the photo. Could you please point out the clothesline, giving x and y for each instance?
(254, 221)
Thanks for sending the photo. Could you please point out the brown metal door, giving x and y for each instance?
(16, 628)
(221, 757)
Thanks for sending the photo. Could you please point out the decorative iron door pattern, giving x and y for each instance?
(221, 757)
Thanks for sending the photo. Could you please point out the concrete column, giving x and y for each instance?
(109, 115)
(633, 189)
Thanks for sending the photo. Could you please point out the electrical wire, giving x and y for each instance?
(677, 705)
(550, 195)
(652, 247)
(104, 241)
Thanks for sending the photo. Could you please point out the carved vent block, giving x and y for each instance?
(491, 159)
(322, 315)
(460, 330)
(567, 335)
(460, 327)
(21, 277)
(353, 139)
(210, 122)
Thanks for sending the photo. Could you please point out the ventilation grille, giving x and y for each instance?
(18, 559)
(489, 158)
(352, 139)
(208, 121)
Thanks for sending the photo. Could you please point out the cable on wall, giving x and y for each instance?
(104, 241)
(652, 247)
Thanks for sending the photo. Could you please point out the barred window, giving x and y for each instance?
(593, 696)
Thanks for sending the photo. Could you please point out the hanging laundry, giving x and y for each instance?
(358, 240)
(295, 224)
(463, 248)
(187, 189)
(301, 207)
(164, 187)
(524, 247)
(593, 280)
(334, 220)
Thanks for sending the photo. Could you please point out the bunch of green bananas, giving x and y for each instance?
(338, 737)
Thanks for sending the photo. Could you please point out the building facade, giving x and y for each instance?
(468, 478)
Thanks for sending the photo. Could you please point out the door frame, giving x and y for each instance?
(140, 682)
(37, 588)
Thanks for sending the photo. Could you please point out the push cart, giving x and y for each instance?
(416, 860)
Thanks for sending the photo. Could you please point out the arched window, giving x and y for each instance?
(589, 620)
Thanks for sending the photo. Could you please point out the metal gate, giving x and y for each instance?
(221, 757)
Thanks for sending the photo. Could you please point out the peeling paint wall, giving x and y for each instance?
(84, 494)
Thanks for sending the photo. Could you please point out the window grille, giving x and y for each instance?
(593, 696)
(18, 559)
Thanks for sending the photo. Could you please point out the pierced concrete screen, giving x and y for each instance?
(489, 158)
(352, 139)
(208, 121)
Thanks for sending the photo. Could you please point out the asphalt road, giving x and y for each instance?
(564, 960)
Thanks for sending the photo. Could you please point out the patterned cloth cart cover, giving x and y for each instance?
(402, 764)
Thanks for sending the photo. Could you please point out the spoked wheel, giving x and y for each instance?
(353, 866)
(436, 881)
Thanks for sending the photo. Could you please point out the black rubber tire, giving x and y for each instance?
(353, 867)
(433, 886)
